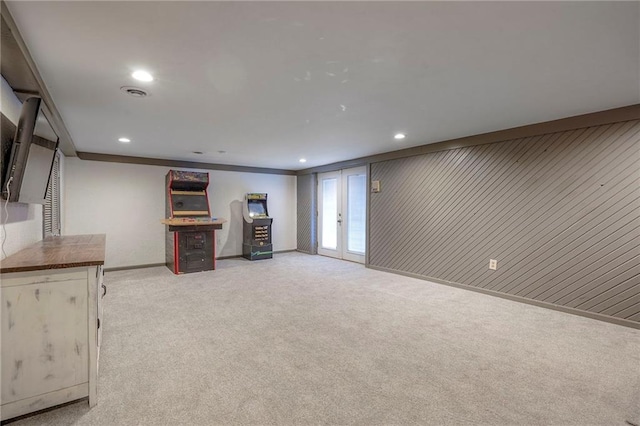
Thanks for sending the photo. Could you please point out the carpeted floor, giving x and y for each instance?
(304, 339)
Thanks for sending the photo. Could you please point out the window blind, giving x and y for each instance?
(51, 211)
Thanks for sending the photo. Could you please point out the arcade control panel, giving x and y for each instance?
(182, 221)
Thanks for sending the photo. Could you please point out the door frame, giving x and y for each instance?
(341, 251)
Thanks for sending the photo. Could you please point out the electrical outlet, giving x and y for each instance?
(493, 264)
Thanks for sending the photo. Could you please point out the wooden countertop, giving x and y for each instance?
(194, 222)
(68, 251)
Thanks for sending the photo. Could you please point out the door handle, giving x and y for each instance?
(339, 220)
(104, 289)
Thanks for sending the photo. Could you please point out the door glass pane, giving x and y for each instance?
(356, 213)
(329, 213)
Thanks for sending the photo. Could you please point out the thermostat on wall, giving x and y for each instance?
(375, 186)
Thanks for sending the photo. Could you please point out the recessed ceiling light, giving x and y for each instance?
(303, 160)
(399, 136)
(142, 75)
(124, 140)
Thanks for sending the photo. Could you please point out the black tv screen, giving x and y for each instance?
(32, 153)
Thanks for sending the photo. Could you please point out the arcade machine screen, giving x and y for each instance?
(194, 204)
(257, 208)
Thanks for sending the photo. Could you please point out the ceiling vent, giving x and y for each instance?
(136, 92)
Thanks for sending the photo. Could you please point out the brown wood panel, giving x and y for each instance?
(600, 295)
(635, 317)
(539, 219)
(478, 211)
(579, 195)
(444, 222)
(578, 244)
(58, 252)
(569, 282)
(630, 298)
(560, 212)
(544, 205)
(565, 280)
(630, 311)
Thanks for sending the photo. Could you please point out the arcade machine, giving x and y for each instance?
(257, 228)
(190, 240)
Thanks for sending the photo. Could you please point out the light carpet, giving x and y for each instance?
(302, 339)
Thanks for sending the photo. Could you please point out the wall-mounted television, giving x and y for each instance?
(28, 169)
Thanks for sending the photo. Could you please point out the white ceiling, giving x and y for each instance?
(271, 82)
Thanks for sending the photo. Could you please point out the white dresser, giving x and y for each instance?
(51, 323)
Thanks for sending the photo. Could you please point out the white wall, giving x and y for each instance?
(22, 222)
(127, 201)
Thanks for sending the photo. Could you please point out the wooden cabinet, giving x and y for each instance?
(51, 326)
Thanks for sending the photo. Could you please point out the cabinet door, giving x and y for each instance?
(44, 338)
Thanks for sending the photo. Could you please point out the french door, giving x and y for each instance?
(342, 214)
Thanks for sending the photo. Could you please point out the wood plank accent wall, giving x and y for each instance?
(560, 212)
(306, 213)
